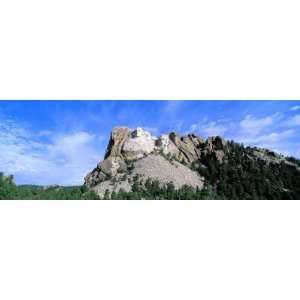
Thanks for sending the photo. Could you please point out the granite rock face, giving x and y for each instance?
(166, 158)
(188, 151)
(118, 136)
(152, 166)
(215, 147)
(139, 144)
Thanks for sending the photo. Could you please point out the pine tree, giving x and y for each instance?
(106, 195)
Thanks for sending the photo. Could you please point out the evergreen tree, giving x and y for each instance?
(106, 195)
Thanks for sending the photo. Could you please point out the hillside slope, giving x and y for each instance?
(138, 165)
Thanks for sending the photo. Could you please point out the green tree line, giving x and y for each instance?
(9, 190)
(153, 189)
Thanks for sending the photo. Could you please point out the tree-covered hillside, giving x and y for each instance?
(244, 175)
(9, 190)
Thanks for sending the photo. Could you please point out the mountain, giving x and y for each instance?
(138, 165)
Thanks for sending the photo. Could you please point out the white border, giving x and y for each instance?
(149, 250)
(149, 50)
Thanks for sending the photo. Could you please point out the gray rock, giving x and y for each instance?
(132, 151)
(155, 167)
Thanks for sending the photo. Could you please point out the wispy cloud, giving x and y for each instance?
(264, 132)
(272, 137)
(212, 128)
(296, 107)
(293, 121)
(253, 126)
(65, 159)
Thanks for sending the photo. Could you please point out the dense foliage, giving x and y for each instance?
(8, 190)
(244, 176)
(152, 189)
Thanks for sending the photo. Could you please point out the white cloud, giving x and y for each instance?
(297, 107)
(209, 128)
(276, 141)
(292, 122)
(65, 159)
(69, 145)
(214, 129)
(253, 126)
(273, 137)
(271, 132)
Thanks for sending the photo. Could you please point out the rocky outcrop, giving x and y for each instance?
(113, 159)
(124, 145)
(215, 147)
(118, 136)
(139, 144)
(138, 163)
(128, 150)
(156, 167)
(188, 146)
(166, 146)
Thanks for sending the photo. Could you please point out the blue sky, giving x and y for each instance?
(59, 142)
